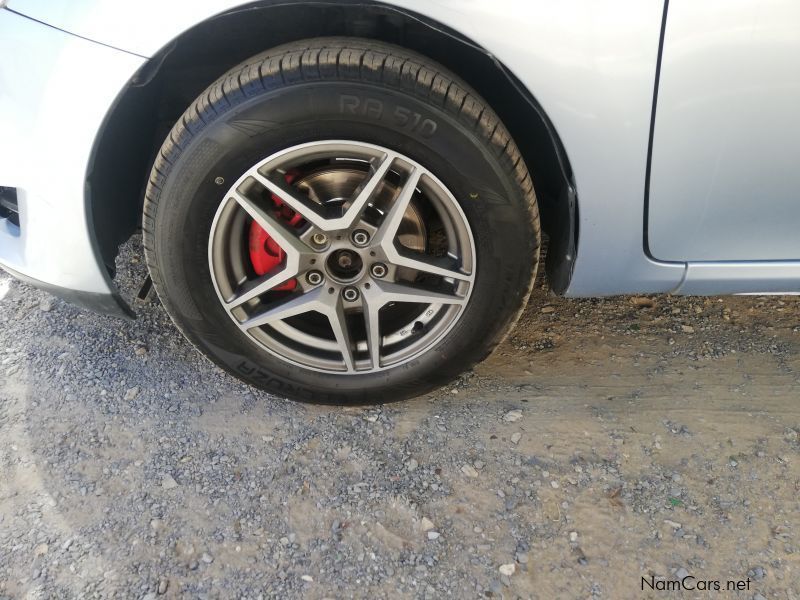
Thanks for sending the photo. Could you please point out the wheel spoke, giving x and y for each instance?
(368, 188)
(372, 304)
(306, 209)
(394, 216)
(428, 264)
(253, 289)
(301, 206)
(399, 292)
(338, 321)
(387, 232)
(285, 237)
(315, 300)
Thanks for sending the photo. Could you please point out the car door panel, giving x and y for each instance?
(725, 184)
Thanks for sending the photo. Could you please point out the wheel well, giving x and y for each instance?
(170, 81)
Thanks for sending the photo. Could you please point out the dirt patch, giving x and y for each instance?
(606, 441)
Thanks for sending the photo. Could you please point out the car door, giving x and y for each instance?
(725, 178)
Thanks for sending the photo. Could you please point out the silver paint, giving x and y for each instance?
(725, 182)
(591, 65)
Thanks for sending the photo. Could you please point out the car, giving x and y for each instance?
(346, 201)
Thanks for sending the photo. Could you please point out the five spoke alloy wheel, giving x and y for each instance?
(371, 257)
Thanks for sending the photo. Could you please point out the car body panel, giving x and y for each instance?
(591, 67)
(745, 277)
(55, 90)
(724, 176)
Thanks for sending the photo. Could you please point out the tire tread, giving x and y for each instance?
(348, 59)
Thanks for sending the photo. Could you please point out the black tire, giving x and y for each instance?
(293, 94)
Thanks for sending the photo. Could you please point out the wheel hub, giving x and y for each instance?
(344, 265)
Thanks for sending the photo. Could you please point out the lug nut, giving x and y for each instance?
(320, 239)
(379, 270)
(314, 277)
(360, 237)
(350, 294)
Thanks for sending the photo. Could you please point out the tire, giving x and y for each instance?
(378, 96)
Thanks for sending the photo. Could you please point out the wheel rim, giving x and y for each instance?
(376, 257)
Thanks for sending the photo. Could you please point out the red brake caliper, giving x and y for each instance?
(265, 253)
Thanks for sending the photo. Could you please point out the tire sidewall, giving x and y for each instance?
(238, 138)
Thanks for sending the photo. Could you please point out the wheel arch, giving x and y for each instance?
(168, 83)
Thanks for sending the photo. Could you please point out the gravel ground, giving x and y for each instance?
(605, 442)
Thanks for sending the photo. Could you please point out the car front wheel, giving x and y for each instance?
(339, 220)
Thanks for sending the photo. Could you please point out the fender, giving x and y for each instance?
(591, 72)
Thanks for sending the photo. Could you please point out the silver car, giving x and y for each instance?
(344, 201)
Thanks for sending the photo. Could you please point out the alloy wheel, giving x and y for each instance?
(342, 257)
